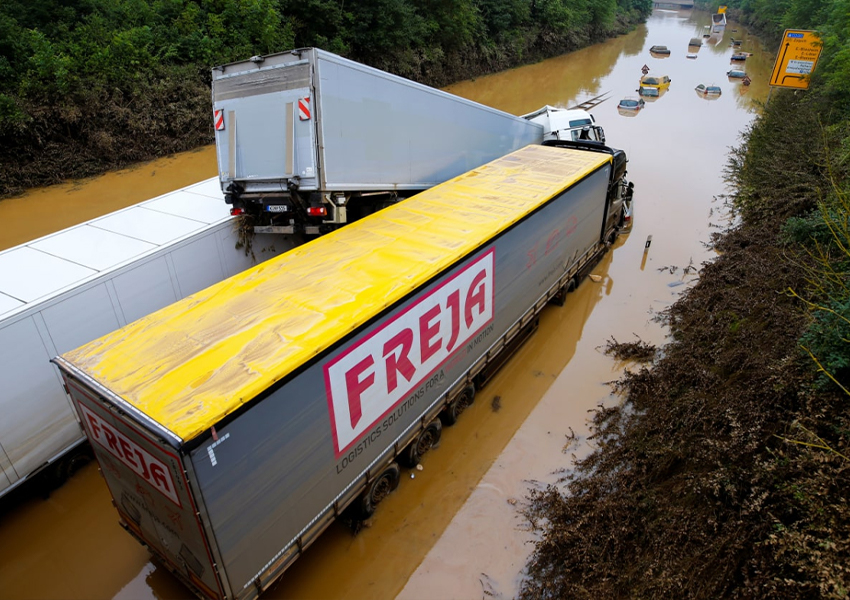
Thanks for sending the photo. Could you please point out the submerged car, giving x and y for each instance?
(662, 82)
(736, 74)
(650, 93)
(631, 104)
(708, 91)
(739, 56)
(662, 50)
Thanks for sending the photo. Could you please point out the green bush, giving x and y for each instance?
(77, 75)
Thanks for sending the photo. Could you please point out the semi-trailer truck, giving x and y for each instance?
(72, 286)
(235, 425)
(308, 141)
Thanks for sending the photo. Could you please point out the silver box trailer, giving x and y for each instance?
(308, 140)
(233, 426)
(71, 287)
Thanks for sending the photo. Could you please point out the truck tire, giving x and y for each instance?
(462, 401)
(75, 462)
(423, 442)
(561, 297)
(380, 488)
(62, 470)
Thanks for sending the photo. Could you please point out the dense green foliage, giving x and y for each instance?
(92, 84)
(725, 473)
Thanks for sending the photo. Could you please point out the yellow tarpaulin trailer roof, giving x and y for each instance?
(190, 364)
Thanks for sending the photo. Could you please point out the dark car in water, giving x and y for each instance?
(631, 104)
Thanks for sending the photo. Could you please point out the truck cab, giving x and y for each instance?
(566, 124)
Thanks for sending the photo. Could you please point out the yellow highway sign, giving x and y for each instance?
(798, 54)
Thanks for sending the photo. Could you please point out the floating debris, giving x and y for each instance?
(639, 351)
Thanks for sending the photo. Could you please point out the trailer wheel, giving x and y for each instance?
(379, 489)
(423, 442)
(560, 298)
(452, 412)
(62, 470)
(74, 463)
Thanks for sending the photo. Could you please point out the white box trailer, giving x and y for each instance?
(308, 140)
(233, 426)
(71, 287)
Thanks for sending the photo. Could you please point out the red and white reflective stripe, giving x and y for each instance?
(219, 119)
(304, 109)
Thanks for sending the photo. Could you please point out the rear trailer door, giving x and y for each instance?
(149, 488)
(264, 126)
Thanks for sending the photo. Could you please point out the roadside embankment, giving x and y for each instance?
(725, 471)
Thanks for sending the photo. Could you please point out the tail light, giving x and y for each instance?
(317, 211)
(235, 212)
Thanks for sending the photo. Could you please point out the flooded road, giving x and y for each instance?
(454, 530)
(43, 211)
(677, 147)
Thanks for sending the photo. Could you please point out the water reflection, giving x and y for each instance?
(625, 112)
(36, 213)
(564, 80)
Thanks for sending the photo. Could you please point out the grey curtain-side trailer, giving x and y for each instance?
(233, 426)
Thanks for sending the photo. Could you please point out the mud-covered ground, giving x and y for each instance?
(725, 471)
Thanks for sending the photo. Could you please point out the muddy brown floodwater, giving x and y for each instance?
(454, 531)
(44, 211)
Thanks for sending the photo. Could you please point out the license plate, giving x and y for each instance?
(277, 208)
